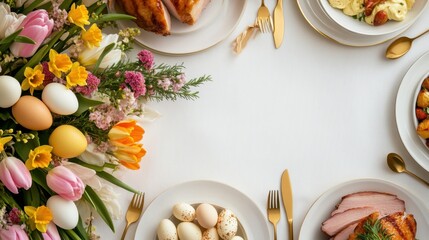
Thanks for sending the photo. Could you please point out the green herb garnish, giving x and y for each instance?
(374, 231)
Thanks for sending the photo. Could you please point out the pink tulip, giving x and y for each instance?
(14, 174)
(64, 182)
(51, 233)
(36, 26)
(14, 232)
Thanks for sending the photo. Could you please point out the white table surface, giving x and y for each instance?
(320, 109)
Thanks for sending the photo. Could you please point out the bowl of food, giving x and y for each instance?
(374, 17)
(421, 110)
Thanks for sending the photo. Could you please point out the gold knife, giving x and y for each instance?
(286, 189)
(279, 24)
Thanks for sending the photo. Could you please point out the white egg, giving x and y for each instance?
(206, 215)
(237, 238)
(184, 212)
(166, 230)
(60, 99)
(210, 234)
(189, 231)
(227, 224)
(10, 91)
(64, 212)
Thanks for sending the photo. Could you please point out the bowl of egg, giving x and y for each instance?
(200, 221)
(374, 17)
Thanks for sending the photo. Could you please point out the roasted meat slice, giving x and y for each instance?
(341, 220)
(385, 203)
(151, 15)
(187, 11)
(399, 226)
(345, 233)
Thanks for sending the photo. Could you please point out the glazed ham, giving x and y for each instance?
(151, 15)
(187, 11)
(345, 233)
(385, 203)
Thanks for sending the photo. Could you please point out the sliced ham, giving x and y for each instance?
(345, 233)
(341, 220)
(187, 11)
(385, 203)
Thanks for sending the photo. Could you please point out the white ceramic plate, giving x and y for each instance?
(319, 20)
(247, 212)
(325, 204)
(361, 27)
(216, 23)
(405, 111)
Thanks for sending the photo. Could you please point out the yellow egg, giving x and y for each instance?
(30, 112)
(67, 141)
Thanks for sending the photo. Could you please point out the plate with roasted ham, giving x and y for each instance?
(179, 27)
(360, 208)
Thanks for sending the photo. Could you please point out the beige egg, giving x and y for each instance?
(189, 231)
(32, 113)
(227, 224)
(67, 141)
(210, 234)
(166, 230)
(206, 215)
(184, 212)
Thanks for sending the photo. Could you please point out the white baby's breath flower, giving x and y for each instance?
(10, 21)
(88, 56)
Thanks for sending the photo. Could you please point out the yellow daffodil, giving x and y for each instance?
(33, 79)
(126, 132)
(39, 217)
(92, 37)
(40, 157)
(77, 76)
(59, 63)
(78, 15)
(3, 141)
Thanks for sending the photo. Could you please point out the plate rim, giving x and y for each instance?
(332, 189)
(244, 222)
(185, 53)
(403, 111)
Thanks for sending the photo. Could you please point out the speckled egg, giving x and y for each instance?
(227, 224)
(189, 231)
(206, 215)
(210, 234)
(32, 113)
(166, 230)
(184, 212)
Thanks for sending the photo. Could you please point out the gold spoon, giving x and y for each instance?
(397, 164)
(400, 46)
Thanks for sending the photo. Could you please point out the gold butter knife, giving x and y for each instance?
(286, 189)
(279, 24)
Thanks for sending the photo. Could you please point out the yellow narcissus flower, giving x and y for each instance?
(40, 157)
(77, 76)
(78, 15)
(3, 141)
(39, 217)
(33, 79)
(92, 37)
(59, 63)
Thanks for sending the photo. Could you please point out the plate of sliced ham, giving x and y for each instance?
(344, 209)
(177, 27)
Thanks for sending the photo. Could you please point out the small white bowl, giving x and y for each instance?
(361, 27)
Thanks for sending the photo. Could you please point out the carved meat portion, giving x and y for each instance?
(187, 11)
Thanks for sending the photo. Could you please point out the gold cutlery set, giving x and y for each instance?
(273, 204)
(265, 24)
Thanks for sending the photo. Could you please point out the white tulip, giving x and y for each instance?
(109, 197)
(10, 21)
(92, 156)
(89, 56)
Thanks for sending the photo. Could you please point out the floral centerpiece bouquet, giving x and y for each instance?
(69, 109)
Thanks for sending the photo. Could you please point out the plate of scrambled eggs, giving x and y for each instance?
(374, 17)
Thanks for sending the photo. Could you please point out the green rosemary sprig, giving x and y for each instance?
(374, 231)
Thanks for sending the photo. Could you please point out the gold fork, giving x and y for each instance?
(273, 209)
(263, 19)
(134, 211)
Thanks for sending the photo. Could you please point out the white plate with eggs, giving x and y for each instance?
(204, 191)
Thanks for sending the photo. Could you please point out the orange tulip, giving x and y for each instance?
(130, 155)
